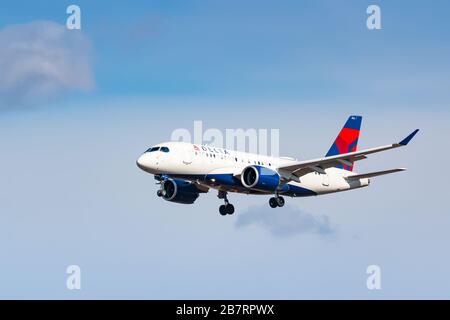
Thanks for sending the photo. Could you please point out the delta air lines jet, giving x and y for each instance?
(185, 170)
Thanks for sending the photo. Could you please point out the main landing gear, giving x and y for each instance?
(277, 201)
(226, 208)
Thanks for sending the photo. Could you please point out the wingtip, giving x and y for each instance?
(405, 141)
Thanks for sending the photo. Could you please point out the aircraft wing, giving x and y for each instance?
(296, 170)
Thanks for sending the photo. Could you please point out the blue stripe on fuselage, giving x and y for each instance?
(231, 183)
(296, 191)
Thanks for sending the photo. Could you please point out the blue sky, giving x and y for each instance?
(296, 50)
(70, 191)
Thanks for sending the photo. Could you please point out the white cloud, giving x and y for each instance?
(40, 61)
(285, 222)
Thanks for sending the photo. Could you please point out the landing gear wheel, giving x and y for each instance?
(223, 210)
(159, 193)
(280, 201)
(276, 202)
(226, 208)
(273, 202)
(230, 208)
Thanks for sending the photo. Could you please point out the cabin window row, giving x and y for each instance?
(212, 155)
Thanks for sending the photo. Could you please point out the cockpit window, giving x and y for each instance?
(152, 149)
(162, 149)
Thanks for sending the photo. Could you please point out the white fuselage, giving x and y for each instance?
(207, 165)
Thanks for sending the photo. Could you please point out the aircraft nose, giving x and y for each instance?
(141, 161)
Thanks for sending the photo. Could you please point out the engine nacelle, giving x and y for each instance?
(179, 191)
(260, 178)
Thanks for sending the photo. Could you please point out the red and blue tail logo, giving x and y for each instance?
(347, 140)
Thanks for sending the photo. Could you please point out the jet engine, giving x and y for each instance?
(179, 191)
(260, 178)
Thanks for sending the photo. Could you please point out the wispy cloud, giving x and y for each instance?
(286, 222)
(40, 61)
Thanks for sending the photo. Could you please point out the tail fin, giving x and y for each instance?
(347, 140)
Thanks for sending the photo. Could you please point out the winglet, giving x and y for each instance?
(405, 141)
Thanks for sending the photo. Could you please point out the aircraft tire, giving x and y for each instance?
(223, 210)
(280, 201)
(273, 202)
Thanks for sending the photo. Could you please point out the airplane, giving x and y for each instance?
(185, 170)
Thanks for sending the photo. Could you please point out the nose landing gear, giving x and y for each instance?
(226, 208)
(277, 201)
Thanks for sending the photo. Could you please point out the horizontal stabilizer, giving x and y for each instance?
(374, 174)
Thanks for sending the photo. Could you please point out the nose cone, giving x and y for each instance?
(142, 161)
(148, 162)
